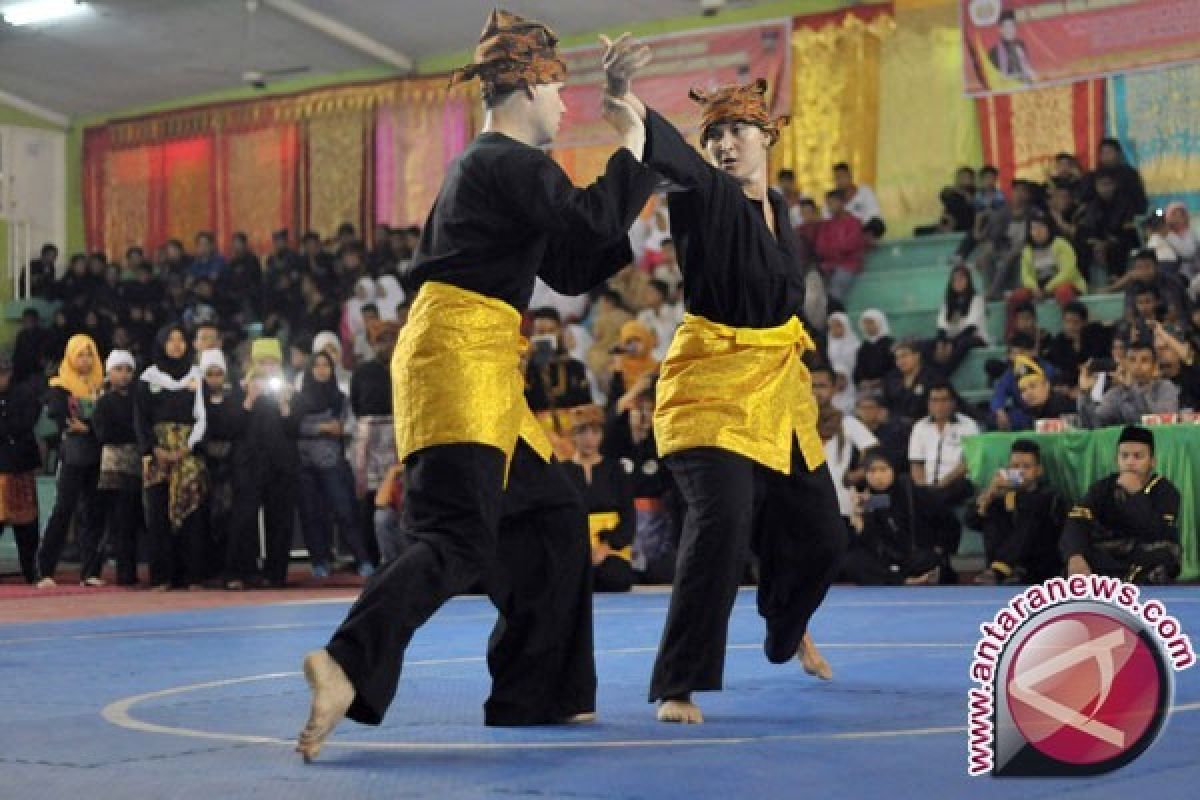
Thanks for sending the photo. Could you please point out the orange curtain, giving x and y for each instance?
(257, 180)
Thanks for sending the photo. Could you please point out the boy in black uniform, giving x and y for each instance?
(1126, 525)
(1020, 518)
(506, 213)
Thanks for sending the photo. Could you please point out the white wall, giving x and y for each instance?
(33, 184)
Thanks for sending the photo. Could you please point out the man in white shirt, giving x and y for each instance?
(860, 201)
(935, 454)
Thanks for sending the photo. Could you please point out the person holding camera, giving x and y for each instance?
(634, 366)
(1126, 525)
(553, 380)
(886, 547)
(1138, 390)
(1020, 517)
(169, 419)
(267, 464)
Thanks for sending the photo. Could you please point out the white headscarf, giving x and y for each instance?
(213, 358)
(365, 291)
(843, 352)
(320, 342)
(880, 318)
(119, 358)
(391, 295)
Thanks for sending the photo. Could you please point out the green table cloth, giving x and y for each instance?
(1074, 460)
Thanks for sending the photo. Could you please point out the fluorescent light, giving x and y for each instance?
(36, 11)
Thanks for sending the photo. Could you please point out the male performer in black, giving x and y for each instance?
(735, 418)
(506, 214)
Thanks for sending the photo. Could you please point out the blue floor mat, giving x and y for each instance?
(205, 704)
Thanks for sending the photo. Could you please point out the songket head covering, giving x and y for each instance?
(738, 104)
(513, 53)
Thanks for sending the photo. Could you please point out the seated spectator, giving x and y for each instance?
(608, 498)
(999, 253)
(891, 433)
(905, 388)
(886, 545)
(321, 412)
(660, 316)
(19, 462)
(962, 323)
(845, 439)
(806, 229)
(208, 264)
(958, 206)
(1025, 321)
(1038, 399)
(1126, 525)
(1177, 364)
(1020, 517)
(553, 380)
(1184, 241)
(988, 199)
(860, 201)
(1078, 341)
(1155, 230)
(935, 456)
(629, 439)
(634, 368)
(609, 314)
(785, 184)
(1063, 210)
(1138, 391)
(1047, 268)
(239, 288)
(1068, 174)
(1106, 233)
(1006, 411)
(841, 247)
(1146, 275)
(1110, 160)
(43, 272)
(841, 344)
(875, 358)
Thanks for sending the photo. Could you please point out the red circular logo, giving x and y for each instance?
(1085, 688)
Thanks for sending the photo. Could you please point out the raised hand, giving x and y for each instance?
(623, 59)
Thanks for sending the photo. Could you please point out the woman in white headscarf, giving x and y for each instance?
(875, 353)
(390, 296)
(328, 342)
(842, 344)
(366, 291)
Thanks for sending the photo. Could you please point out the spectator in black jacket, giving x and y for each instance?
(608, 498)
(70, 402)
(224, 426)
(19, 462)
(29, 352)
(119, 486)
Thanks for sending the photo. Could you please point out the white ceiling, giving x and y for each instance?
(130, 53)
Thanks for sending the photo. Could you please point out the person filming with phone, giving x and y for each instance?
(1020, 516)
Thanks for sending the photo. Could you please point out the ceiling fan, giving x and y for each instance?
(251, 74)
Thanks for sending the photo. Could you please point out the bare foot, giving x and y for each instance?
(811, 659)
(681, 710)
(332, 694)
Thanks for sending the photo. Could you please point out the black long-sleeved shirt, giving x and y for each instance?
(113, 420)
(75, 449)
(152, 407)
(371, 389)
(648, 476)
(1109, 512)
(734, 271)
(507, 213)
(608, 491)
(19, 412)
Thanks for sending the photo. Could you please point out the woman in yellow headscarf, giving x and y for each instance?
(70, 403)
(634, 367)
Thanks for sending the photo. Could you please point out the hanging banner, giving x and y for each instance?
(1011, 45)
(704, 59)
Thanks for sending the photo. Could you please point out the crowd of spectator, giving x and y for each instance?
(163, 383)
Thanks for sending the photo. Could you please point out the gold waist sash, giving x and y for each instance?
(744, 390)
(456, 375)
(603, 521)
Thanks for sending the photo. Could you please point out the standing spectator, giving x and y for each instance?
(860, 201)
(844, 437)
(267, 466)
(1078, 341)
(888, 546)
(373, 449)
(1127, 523)
(239, 288)
(326, 483)
(381, 258)
(169, 419)
(1106, 233)
(875, 358)
(225, 424)
(935, 454)
(841, 247)
(906, 387)
(1110, 158)
(29, 351)
(1048, 269)
(43, 272)
(1139, 391)
(19, 462)
(1007, 232)
(70, 403)
(208, 264)
(119, 486)
(962, 322)
(1020, 517)
(608, 499)
(391, 539)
